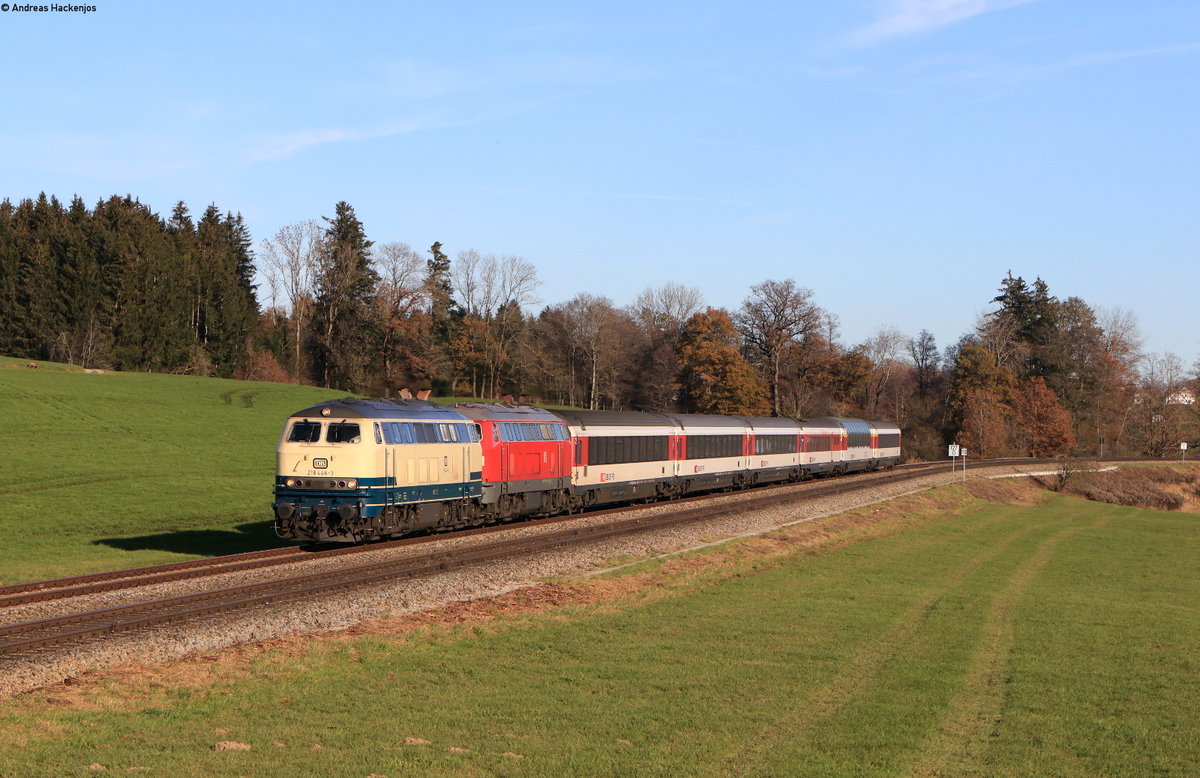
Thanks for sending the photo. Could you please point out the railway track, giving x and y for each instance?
(74, 628)
(115, 580)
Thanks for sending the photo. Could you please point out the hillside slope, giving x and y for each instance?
(107, 470)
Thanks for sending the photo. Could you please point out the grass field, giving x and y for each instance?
(114, 470)
(945, 635)
(125, 469)
(954, 637)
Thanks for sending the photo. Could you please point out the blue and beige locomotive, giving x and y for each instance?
(353, 470)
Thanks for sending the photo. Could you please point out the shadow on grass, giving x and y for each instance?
(252, 536)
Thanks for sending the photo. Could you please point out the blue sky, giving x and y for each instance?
(898, 157)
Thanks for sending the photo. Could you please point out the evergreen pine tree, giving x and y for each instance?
(84, 339)
(152, 327)
(10, 261)
(345, 352)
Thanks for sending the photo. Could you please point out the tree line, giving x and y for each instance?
(123, 288)
(118, 286)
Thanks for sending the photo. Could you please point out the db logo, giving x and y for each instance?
(320, 463)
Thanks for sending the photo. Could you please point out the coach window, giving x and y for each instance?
(342, 432)
(305, 432)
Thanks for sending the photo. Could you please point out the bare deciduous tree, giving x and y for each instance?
(401, 276)
(667, 308)
(1000, 333)
(660, 315)
(1162, 405)
(885, 349)
(289, 265)
(774, 316)
(926, 360)
(493, 293)
(403, 300)
(1122, 339)
(485, 284)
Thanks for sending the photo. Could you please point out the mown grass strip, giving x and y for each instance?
(974, 716)
(863, 668)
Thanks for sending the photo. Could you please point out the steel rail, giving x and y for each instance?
(43, 633)
(115, 580)
(75, 586)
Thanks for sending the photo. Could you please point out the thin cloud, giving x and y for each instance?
(952, 70)
(292, 143)
(1034, 72)
(911, 17)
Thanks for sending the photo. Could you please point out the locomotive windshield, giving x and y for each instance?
(342, 432)
(305, 432)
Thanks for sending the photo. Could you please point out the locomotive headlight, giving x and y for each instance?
(351, 484)
(291, 482)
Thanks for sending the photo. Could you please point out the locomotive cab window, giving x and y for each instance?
(305, 432)
(343, 432)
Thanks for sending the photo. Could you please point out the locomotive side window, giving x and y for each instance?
(522, 432)
(342, 432)
(398, 432)
(305, 432)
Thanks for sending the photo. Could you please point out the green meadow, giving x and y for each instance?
(978, 639)
(113, 470)
(955, 636)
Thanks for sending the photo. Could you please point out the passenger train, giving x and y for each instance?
(354, 470)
